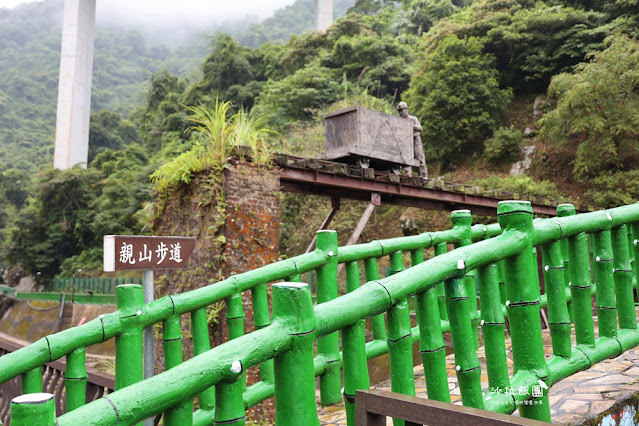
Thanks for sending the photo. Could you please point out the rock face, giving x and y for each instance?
(236, 221)
(26, 285)
(539, 106)
(527, 152)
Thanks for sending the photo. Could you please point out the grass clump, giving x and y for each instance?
(218, 136)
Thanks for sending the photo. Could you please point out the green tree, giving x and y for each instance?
(597, 108)
(109, 131)
(295, 19)
(56, 224)
(381, 64)
(613, 189)
(298, 96)
(162, 112)
(420, 15)
(504, 146)
(457, 98)
(531, 41)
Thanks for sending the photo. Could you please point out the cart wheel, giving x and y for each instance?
(364, 162)
(396, 169)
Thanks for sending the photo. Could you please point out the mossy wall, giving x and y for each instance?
(236, 222)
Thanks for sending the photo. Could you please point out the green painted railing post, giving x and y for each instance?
(182, 413)
(75, 379)
(201, 344)
(128, 345)
(229, 400)
(294, 373)
(32, 381)
(501, 270)
(235, 316)
(261, 319)
(558, 316)
(604, 283)
(493, 328)
(635, 250)
(400, 351)
(400, 342)
(295, 278)
(441, 291)
(567, 266)
(462, 219)
(623, 274)
(580, 284)
(235, 323)
(353, 351)
(328, 346)
(631, 252)
(515, 218)
(431, 340)
(396, 262)
(377, 322)
(35, 409)
(467, 365)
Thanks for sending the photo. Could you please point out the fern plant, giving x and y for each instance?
(217, 137)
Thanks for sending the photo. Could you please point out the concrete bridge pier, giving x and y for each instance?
(323, 14)
(74, 87)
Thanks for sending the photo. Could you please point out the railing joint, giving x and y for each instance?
(528, 303)
(427, 351)
(172, 304)
(49, 346)
(401, 338)
(117, 413)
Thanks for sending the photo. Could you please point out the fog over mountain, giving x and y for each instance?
(170, 22)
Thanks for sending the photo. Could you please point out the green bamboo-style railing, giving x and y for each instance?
(502, 264)
(88, 285)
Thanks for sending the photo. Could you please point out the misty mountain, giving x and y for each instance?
(298, 18)
(125, 57)
(30, 39)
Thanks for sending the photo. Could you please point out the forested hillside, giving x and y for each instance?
(471, 72)
(298, 18)
(30, 38)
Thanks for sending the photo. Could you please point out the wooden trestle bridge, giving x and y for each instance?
(338, 180)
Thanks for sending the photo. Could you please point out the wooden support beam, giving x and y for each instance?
(327, 221)
(376, 200)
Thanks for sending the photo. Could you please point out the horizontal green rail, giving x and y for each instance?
(109, 326)
(281, 345)
(5, 289)
(88, 285)
(93, 299)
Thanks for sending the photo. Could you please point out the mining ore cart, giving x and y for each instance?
(360, 136)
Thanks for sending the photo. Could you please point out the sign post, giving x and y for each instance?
(149, 355)
(146, 253)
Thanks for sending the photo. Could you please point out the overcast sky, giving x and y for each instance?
(146, 11)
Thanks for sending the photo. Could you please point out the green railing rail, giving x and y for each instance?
(82, 298)
(88, 285)
(504, 267)
(7, 290)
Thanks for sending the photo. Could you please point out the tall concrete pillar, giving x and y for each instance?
(324, 14)
(74, 87)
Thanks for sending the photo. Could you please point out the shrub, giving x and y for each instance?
(504, 146)
(614, 189)
(457, 98)
(597, 110)
(521, 185)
